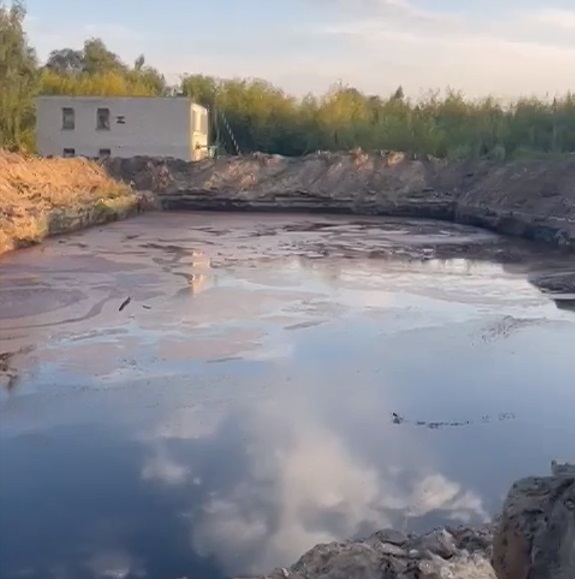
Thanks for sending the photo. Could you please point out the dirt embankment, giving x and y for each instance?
(531, 199)
(42, 197)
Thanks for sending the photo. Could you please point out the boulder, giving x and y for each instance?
(458, 553)
(535, 537)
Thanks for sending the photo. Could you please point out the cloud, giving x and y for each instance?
(321, 494)
(504, 54)
(374, 45)
(115, 565)
(398, 11)
(553, 17)
(296, 483)
(128, 42)
(161, 467)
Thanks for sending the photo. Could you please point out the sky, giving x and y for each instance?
(504, 48)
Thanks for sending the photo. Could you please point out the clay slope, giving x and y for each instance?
(533, 199)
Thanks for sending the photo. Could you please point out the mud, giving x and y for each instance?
(80, 290)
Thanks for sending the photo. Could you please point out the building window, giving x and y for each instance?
(69, 153)
(68, 119)
(103, 153)
(121, 120)
(103, 120)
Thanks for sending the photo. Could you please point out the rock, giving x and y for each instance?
(391, 536)
(562, 469)
(438, 542)
(479, 539)
(535, 538)
(390, 554)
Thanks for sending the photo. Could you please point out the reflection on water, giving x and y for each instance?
(233, 416)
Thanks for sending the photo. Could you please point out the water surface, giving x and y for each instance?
(239, 409)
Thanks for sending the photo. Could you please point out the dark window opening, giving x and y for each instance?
(104, 153)
(121, 120)
(69, 153)
(103, 120)
(68, 119)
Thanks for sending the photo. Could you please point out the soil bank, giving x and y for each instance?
(531, 199)
(43, 197)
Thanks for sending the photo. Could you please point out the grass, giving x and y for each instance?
(34, 191)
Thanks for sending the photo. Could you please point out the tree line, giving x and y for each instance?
(263, 117)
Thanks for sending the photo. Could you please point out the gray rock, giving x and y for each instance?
(439, 542)
(535, 538)
(562, 469)
(341, 561)
(434, 555)
(389, 549)
(391, 536)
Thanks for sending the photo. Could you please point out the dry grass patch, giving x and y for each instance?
(32, 188)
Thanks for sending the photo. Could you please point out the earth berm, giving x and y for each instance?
(533, 199)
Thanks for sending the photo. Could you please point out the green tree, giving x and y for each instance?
(66, 60)
(99, 60)
(148, 78)
(18, 75)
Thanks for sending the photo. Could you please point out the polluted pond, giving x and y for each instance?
(183, 397)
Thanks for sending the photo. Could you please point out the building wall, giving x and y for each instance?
(200, 132)
(156, 127)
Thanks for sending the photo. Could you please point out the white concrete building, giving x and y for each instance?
(121, 127)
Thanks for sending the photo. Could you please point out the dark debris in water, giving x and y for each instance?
(124, 303)
(486, 419)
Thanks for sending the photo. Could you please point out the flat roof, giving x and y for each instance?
(96, 97)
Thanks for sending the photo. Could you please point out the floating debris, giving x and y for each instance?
(397, 419)
(124, 304)
(502, 416)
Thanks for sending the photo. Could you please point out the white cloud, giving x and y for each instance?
(553, 17)
(300, 484)
(377, 45)
(161, 467)
(433, 50)
(114, 565)
(314, 476)
(127, 41)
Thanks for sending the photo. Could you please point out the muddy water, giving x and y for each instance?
(239, 409)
